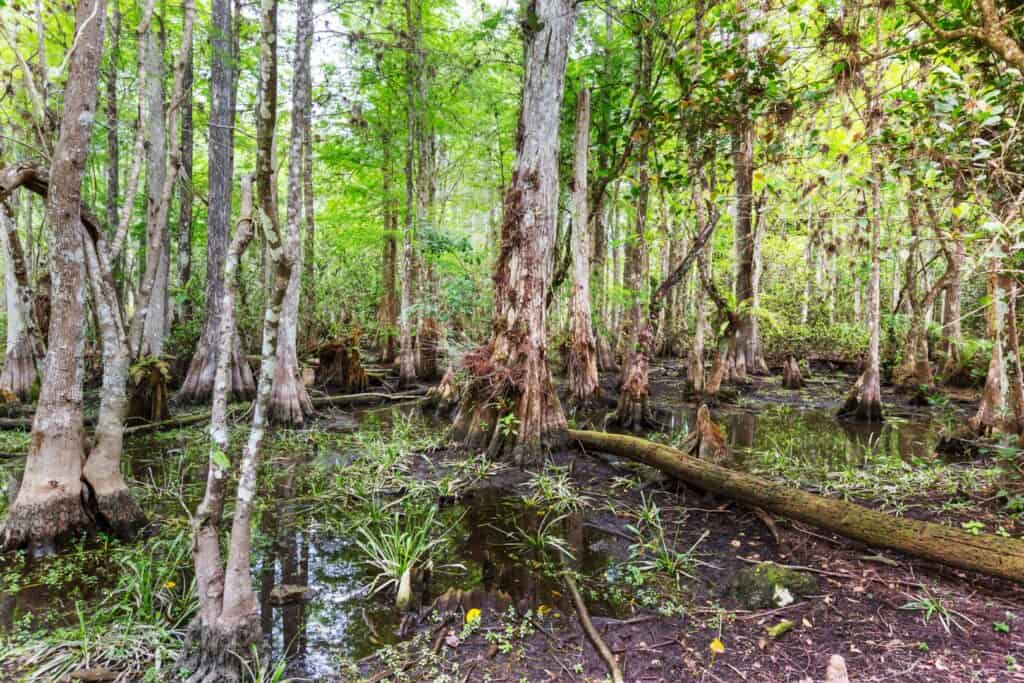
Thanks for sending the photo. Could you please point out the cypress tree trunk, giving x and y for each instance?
(510, 407)
(198, 384)
(20, 355)
(583, 384)
(289, 403)
(49, 503)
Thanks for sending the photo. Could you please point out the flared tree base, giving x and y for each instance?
(198, 385)
(507, 424)
(118, 512)
(633, 414)
(289, 400)
(863, 404)
(219, 654)
(41, 524)
(18, 376)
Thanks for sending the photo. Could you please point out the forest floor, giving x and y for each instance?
(656, 561)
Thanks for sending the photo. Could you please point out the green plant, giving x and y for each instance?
(933, 606)
(401, 542)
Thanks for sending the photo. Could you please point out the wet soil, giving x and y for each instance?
(660, 626)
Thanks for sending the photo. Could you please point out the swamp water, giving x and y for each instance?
(481, 567)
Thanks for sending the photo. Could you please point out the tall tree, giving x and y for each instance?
(510, 407)
(198, 383)
(583, 381)
(289, 403)
(49, 505)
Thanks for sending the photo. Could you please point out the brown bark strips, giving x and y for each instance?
(1002, 400)
(49, 505)
(221, 638)
(510, 407)
(983, 553)
(198, 384)
(289, 403)
(583, 384)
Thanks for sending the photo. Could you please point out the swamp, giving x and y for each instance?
(431, 340)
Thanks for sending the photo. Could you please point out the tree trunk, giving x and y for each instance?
(1002, 401)
(49, 503)
(413, 65)
(198, 384)
(111, 498)
(510, 406)
(289, 402)
(388, 317)
(221, 638)
(983, 553)
(147, 328)
(19, 370)
(951, 313)
(583, 384)
(185, 192)
(865, 400)
(142, 77)
(748, 341)
(307, 307)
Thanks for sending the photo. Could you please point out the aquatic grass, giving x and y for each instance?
(404, 541)
(155, 584)
(553, 489)
(542, 541)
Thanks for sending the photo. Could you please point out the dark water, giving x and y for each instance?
(816, 434)
(481, 568)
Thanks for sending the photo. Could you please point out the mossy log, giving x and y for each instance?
(983, 553)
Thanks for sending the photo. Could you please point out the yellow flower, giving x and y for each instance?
(543, 610)
(472, 615)
(169, 585)
(717, 646)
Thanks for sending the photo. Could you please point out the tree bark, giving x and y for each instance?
(199, 380)
(388, 318)
(185, 191)
(413, 75)
(289, 402)
(49, 503)
(221, 638)
(983, 553)
(749, 357)
(510, 407)
(865, 400)
(1002, 401)
(583, 383)
(24, 350)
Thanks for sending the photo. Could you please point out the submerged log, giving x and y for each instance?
(983, 553)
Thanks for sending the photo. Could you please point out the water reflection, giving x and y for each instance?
(818, 435)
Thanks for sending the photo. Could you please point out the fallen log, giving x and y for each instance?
(364, 399)
(983, 553)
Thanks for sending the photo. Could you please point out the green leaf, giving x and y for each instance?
(220, 459)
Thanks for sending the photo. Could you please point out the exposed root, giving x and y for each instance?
(863, 403)
(19, 372)
(707, 441)
(507, 416)
(428, 351)
(445, 396)
(149, 397)
(118, 512)
(791, 376)
(289, 400)
(592, 633)
(43, 524)
(341, 366)
(219, 654)
(198, 385)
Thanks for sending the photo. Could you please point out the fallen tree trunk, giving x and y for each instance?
(983, 553)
